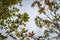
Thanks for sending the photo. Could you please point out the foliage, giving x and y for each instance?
(53, 21)
(8, 13)
(4, 7)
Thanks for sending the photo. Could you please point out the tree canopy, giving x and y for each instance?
(8, 13)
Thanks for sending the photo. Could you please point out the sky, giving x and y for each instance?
(33, 12)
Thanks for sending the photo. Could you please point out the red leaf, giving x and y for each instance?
(31, 34)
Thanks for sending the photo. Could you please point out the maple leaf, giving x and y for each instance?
(41, 10)
(38, 3)
(33, 4)
(31, 34)
(47, 2)
(23, 30)
(46, 31)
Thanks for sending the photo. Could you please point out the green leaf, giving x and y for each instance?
(23, 30)
(25, 17)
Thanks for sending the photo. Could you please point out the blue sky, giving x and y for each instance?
(33, 12)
